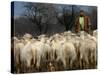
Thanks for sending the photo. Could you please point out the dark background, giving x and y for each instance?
(46, 18)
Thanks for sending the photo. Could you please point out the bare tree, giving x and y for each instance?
(40, 14)
(66, 17)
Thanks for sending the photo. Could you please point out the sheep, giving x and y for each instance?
(18, 45)
(55, 44)
(82, 41)
(47, 47)
(39, 49)
(66, 47)
(53, 50)
(62, 48)
(26, 55)
(39, 52)
(68, 53)
(93, 47)
(87, 47)
(34, 49)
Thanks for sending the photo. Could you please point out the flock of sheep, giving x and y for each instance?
(61, 51)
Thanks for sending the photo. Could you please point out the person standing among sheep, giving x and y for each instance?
(82, 22)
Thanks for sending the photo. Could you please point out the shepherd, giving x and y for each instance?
(82, 22)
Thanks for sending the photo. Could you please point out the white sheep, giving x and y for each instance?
(39, 46)
(65, 47)
(87, 48)
(18, 45)
(64, 50)
(68, 53)
(26, 55)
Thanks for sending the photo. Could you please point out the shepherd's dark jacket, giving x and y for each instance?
(86, 24)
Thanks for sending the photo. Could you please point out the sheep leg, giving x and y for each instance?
(53, 54)
(59, 56)
(28, 63)
(64, 63)
(34, 56)
(86, 63)
(38, 62)
(71, 63)
(81, 63)
(81, 60)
